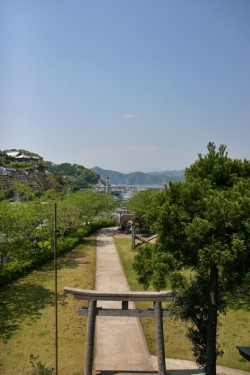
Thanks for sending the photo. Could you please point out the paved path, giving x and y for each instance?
(120, 343)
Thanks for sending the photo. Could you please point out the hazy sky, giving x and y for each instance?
(127, 85)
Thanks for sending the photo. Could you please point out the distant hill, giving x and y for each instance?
(75, 173)
(139, 178)
(169, 173)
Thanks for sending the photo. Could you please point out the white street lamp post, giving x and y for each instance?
(107, 189)
(107, 186)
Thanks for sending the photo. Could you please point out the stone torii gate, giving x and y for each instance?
(92, 296)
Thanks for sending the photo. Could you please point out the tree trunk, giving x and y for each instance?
(212, 322)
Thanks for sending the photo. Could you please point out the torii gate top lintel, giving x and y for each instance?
(94, 295)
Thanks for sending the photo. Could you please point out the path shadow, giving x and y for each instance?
(239, 300)
(19, 301)
(74, 258)
(71, 260)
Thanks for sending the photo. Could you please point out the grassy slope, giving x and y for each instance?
(27, 315)
(234, 330)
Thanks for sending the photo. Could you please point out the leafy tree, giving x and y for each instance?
(27, 230)
(140, 203)
(6, 225)
(51, 195)
(192, 305)
(18, 228)
(89, 204)
(203, 224)
(67, 218)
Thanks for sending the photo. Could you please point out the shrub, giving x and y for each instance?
(13, 270)
(66, 244)
(43, 253)
(39, 368)
(80, 233)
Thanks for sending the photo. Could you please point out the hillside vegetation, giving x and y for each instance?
(25, 187)
(75, 173)
(30, 181)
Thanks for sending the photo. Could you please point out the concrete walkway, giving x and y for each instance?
(120, 343)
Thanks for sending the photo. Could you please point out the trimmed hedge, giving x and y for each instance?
(16, 269)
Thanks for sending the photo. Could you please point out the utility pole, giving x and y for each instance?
(133, 234)
(55, 269)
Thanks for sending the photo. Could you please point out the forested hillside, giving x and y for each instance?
(74, 173)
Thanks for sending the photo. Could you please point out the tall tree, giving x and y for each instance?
(140, 203)
(204, 224)
(18, 227)
(89, 204)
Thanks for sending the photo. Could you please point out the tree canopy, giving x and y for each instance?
(202, 224)
(23, 226)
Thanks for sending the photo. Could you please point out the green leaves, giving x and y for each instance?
(202, 223)
(199, 224)
(143, 264)
(38, 367)
(140, 203)
(154, 266)
(28, 228)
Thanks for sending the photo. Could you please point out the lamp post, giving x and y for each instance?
(107, 186)
(107, 189)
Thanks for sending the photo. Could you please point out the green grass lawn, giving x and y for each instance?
(234, 330)
(28, 315)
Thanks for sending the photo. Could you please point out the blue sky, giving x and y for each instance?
(127, 85)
